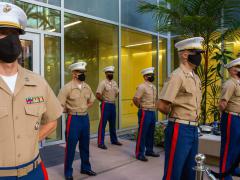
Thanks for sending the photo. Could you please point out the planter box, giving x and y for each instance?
(209, 145)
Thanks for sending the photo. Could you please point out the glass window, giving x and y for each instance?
(174, 54)
(138, 52)
(97, 44)
(53, 2)
(162, 65)
(40, 17)
(131, 16)
(52, 73)
(107, 9)
(26, 57)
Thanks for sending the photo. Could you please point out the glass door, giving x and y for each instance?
(30, 57)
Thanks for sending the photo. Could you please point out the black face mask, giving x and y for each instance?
(238, 74)
(110, 76)
(195, 59)
(81, 77)
(10, 48)
(150, 78)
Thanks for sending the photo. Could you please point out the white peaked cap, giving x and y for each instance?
(12, 16)
(235, 62)
(190, 43)
(149, 70)
(109, 69)
(78, 66)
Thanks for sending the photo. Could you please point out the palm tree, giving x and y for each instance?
(214, 20)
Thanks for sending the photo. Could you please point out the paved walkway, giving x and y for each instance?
(116, 163)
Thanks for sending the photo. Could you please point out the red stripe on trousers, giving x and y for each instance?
(69, 119)
(227, 144)
(140, 133)
(173, 149)
(101, 122)
(45, 174)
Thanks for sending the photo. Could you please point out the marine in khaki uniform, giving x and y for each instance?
(230, 121)
(145, 100)
(76, 97)
(28, 106)
(107, 93)
(180, 99)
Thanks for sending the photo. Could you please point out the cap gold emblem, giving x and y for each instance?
(7, 8)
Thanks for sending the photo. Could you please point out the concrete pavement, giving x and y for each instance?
(116, 163)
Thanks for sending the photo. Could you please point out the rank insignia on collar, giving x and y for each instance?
(33, 100)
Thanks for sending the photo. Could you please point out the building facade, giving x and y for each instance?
(102, 33)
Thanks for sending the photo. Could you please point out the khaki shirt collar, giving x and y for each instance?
(235, 80)
(108, 81)
(186, 71)
(148, 83)
(75, 85)
(23, 79)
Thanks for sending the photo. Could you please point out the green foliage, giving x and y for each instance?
(213, 100)
(212, 80)
(159, 135)
(195, 17)
(214, 20)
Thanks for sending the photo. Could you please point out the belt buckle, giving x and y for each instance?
(22, 172)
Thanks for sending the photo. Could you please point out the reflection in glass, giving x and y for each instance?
(53, 2)
(107, 9)
(131, 16)
(26, 57)
(52, 73)
(162, 65)
(139, 51)
(97, 44)
(40, 17)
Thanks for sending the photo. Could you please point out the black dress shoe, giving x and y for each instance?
(153, 154)
(117, 143)
(89, 172)
(142, 158)
(69, 178)
(102, 146)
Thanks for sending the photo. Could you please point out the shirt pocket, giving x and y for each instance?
(74, 95)
(87, 96)
(108, 88)
(188, 91)
(34, 114)
(115, 89)
(237, 92)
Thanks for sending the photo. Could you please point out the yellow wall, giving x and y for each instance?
(133, 61)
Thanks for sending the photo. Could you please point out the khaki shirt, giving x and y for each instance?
(21, 113)
(147, 93)
(231, 93)
(183, 90)
(75, 99)
(108, 89)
